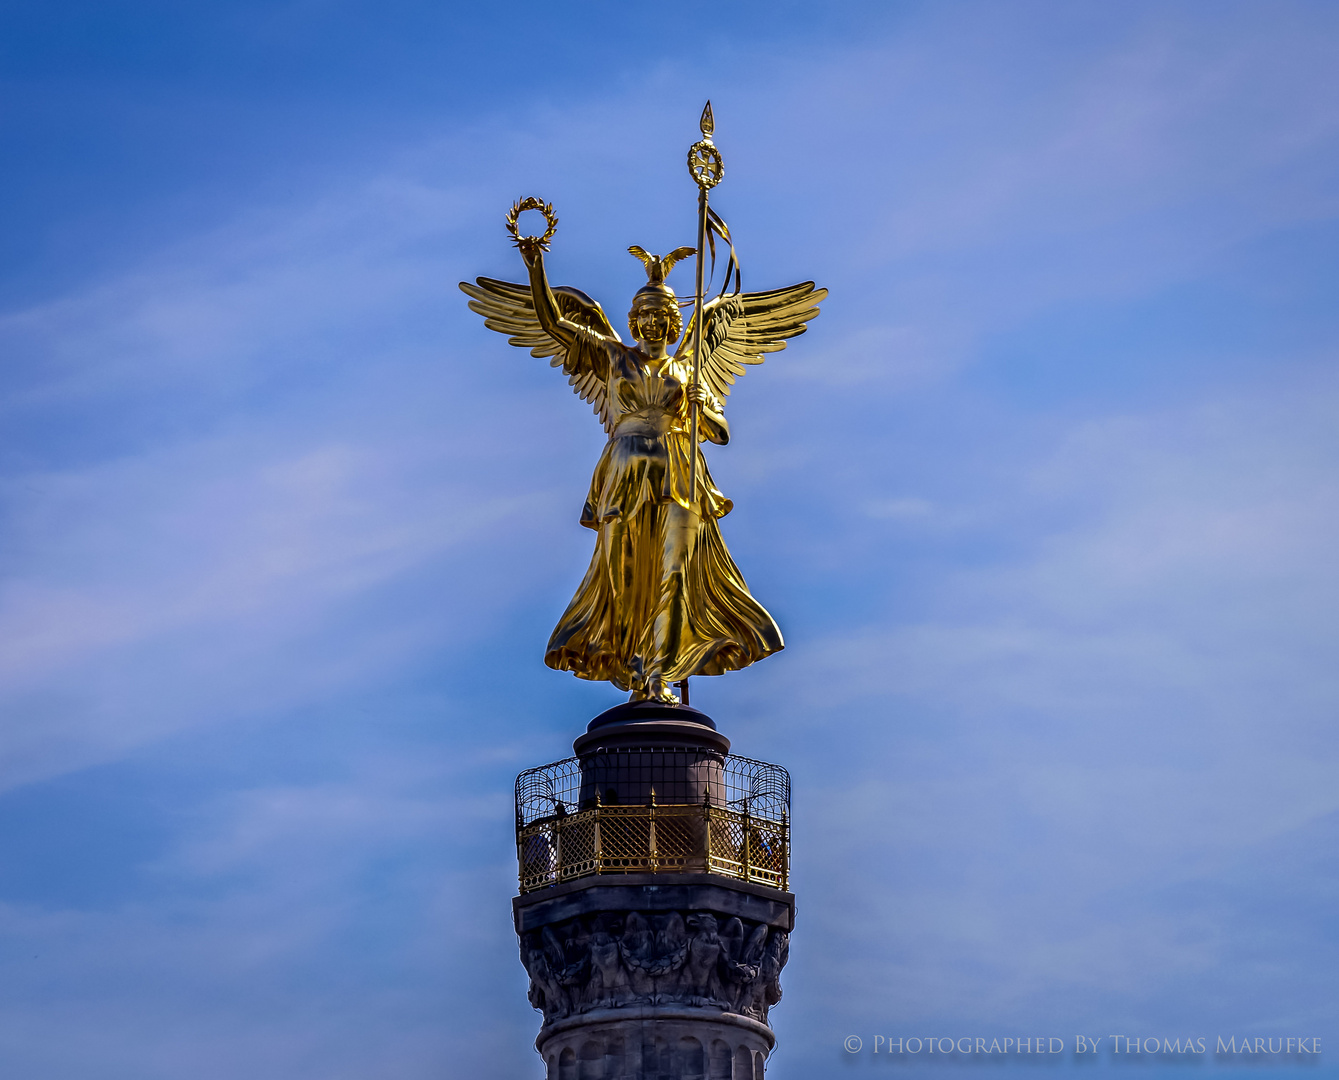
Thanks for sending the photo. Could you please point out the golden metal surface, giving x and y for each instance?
(662, 598)
(550, 220)
(707, 168)
(705, 163)
(654, 839)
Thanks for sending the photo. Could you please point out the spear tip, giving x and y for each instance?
(708, 124)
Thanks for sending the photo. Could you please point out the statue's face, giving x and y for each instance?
(654, 322)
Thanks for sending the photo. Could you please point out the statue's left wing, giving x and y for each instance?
(739, 329)
(509, 309)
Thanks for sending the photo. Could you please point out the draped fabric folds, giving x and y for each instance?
(662, 597)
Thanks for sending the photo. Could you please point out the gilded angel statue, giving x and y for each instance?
(662, 599)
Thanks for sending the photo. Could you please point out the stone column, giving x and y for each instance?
(654, 975)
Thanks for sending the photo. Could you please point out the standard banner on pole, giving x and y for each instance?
(707, 169)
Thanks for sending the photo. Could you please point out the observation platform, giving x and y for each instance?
(653, 790)
(654, 916)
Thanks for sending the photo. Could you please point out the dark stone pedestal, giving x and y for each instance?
(654, 976)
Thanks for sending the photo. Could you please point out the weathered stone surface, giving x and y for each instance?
(654, 892)
(655, 1044)
(680, 942)
(664, 976)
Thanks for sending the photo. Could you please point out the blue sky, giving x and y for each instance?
(1045, 503)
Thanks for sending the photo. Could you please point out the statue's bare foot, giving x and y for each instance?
(655, 689)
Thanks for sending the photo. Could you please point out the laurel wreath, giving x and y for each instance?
(705, 164)
(532, 203)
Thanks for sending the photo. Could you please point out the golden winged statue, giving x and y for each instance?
(662, 599)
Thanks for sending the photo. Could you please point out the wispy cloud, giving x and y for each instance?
(1061, 664)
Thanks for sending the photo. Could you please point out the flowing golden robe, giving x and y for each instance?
(662, 598)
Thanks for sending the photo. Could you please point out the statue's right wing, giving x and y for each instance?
(509, 309)
(742, 328)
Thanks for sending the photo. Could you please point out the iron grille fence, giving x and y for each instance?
(653, 810)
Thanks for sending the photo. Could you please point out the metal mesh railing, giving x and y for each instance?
(606, 814)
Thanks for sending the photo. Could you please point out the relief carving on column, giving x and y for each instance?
(616, 958)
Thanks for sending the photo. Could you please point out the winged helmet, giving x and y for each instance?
(739, 329)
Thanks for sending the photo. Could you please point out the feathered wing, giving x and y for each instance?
(657, 266)
(509, 309)
(739, 329)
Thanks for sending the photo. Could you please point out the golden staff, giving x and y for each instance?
(707, 168)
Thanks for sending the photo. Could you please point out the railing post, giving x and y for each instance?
(556, 850)
(706, 828)
(785, 852)
(651, 834)
(744, 856)
(599, 848)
